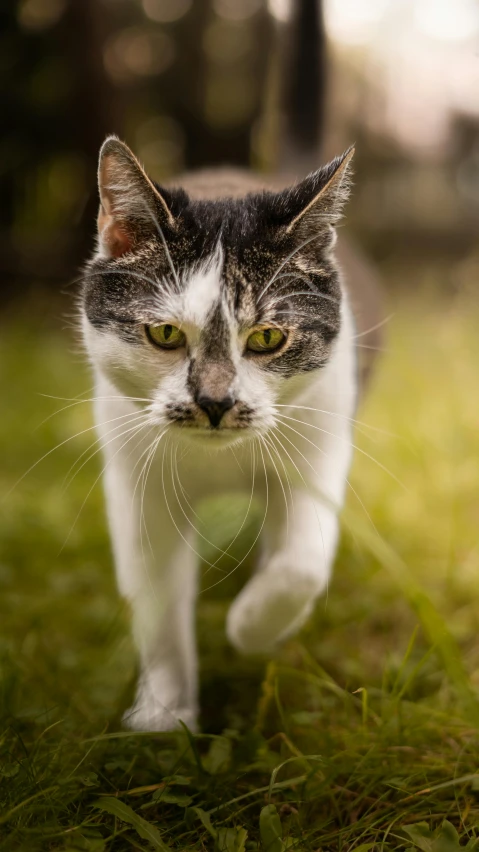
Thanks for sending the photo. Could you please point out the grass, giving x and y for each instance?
(361, 734)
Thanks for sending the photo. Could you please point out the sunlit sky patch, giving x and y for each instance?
(422, 56)
(350, 21)
(448, 20)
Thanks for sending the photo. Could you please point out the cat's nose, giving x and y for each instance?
(215, 408)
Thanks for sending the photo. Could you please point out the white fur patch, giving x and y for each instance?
(203, 290)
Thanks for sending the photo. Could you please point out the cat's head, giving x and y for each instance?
(208, 309)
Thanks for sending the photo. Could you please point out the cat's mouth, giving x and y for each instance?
(206, 434)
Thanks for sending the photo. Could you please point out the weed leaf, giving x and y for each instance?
(205, 819)
(443, 839)
(231, 840)
(142, 827)
(219, 756)
(168, 797)
(271, 830)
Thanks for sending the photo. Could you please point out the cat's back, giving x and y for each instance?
(225, 182)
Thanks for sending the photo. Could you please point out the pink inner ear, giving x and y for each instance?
(114, 237)
(119, 241)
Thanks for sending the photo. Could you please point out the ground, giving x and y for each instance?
(361, 734)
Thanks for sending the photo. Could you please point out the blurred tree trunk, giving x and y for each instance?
(58, 106)
(95, 108)
(208, 144)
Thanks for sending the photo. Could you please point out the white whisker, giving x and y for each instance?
(76, 401)
(274, 432)
(136, 430)
(144, 473)
(287, 476)
(336, 414)
(165, 246)
(374, 327)
(195, 529)
(128, 272)
(372, 348)
(188, 544)
(182, 489)
(140, 457)
(45, 456)
(292, 294)
(238, 533)
(259, 531)
(280, 482)
(341, 438)
(285, 261)
(68, 477)
(324, 453)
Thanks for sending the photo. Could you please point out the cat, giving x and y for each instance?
(222, 341)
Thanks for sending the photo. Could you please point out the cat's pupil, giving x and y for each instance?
(167, 331)
(267, 336)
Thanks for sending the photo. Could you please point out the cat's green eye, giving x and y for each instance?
(265, 340)
(167, 336)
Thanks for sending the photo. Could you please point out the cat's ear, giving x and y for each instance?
(319, 199)
(131, 207)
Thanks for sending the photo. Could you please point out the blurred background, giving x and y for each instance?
(189, 83)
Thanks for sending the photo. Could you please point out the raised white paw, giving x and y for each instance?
(269, 609)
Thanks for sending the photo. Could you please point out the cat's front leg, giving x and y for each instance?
(299, 544)
(156, 570)
(279, 598)
(163, 628)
